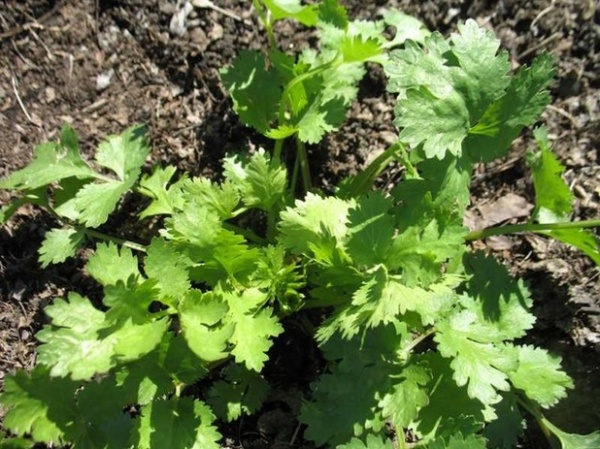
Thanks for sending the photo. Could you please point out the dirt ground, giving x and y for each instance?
(102, 65)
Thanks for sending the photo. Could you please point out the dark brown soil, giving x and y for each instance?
(54, 52)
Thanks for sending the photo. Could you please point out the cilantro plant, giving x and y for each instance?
(421, 335)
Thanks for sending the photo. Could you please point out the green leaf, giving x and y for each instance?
(497, 305)
(371, 230)
(321, 119)
(15, 443)
(133, 341)
(168, 267)
(279, 278)
(94, 202)
(125, 153)
(345, 401)
(254, 327)
(178, 423)
(39, 405)
(382, 298)
(196, 225)
(421, 250)
(243, 392)
(73, 338)
(261, 182)
(201, 315)
(505, 431)
(407, 27)
(164, 199)
(459, 442)
(81, 342)
(574, 441)
(371, 442)
(450, 409)
(524, 101)
(37, 196)
(255, 90)
(52, 162)
(292, 9)
(102, 421)
(553, 197)
(111, 264)
(331, 11)
(281, 132)
(540, 376)
(582, 239)
(223, 198)
(445, 87)
(482, 366)
(171, 363)
(59, 245)
(313, 221)
(358, 49)
(408, 395)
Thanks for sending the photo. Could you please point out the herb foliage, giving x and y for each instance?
(421, 333)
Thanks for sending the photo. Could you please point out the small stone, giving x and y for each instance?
(103, 80)
(198, 37)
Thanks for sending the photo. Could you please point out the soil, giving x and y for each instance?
(103, 65)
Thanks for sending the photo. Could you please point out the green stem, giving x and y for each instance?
(119, 241)
(294, 183)
(530, 227)
(415, 342)
(264, 17)
(247, 233)
(533, 411)
(277, 150)
(363, 181)
(303, 162)
(271, 225)
(300, 78)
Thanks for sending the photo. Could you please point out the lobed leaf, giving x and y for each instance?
(254, 327)
(177, 423)
(370, 442)
(574, 441)
(164, 199)
(243, 392)
(111, 264)
(525, 99)
(292, 9)
(553, 197)
(201, 316)
(39, 405)
(59, 245)
(481, 366)
(52, 162)
(261, 182)
(540, 376)
(255, 90)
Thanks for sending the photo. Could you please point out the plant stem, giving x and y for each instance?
(263, 15)
(532, 410)
(294, 182)
(303, 162)
(363, 181)
(271, 225)
(119, 241)
(300, 78)
(277, 151)
(414, 343)
(247, 233)
(530, 227)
